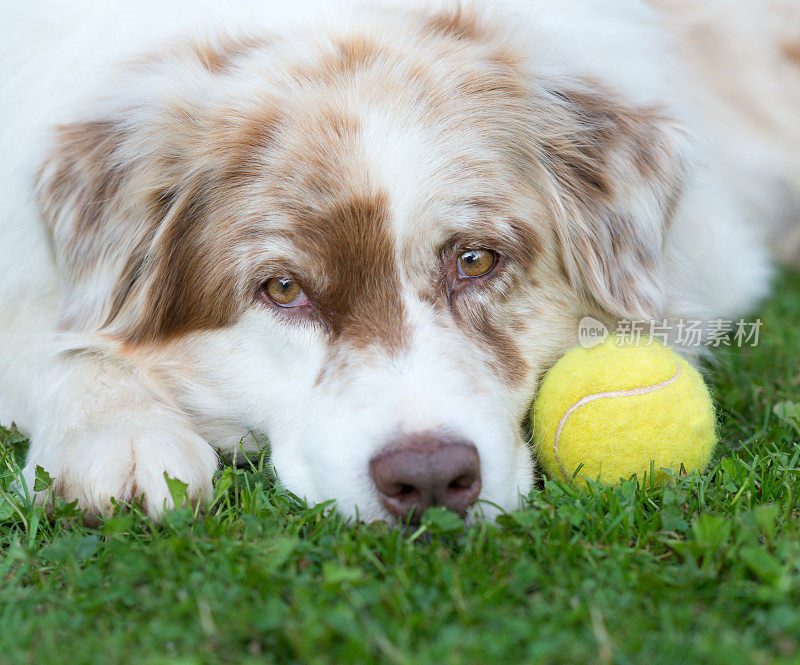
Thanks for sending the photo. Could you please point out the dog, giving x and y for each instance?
(361, 232)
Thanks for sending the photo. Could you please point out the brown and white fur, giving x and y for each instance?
(161, 161)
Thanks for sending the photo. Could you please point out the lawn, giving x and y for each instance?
(706, 570)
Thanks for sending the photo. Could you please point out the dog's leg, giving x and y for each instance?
(106, 430)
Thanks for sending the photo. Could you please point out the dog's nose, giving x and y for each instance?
(418, 472)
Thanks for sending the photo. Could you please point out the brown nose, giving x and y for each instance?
(418, 472)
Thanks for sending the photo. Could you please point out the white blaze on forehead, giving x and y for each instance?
(401, 158)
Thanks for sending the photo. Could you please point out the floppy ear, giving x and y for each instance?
(100, 227)
(619, 171)
(128, 208)
(126, 197)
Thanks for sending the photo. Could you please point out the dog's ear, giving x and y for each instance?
(101, 222)
(125, 197)
(618, 171)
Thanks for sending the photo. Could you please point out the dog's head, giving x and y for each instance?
(366, 246)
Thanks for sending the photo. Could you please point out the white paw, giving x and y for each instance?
(126, 461)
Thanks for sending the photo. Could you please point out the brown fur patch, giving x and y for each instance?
(236, 140)
(356, 52)
(791, 51)
(492, 328)
(79, 192)
(83, 174)
(219, 55)
(527, 242)
(457, 23)
(191, 287)
(603, 125)
(356, 253)
(501, 340)
(499, 82)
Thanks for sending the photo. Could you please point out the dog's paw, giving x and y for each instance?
(126, 462)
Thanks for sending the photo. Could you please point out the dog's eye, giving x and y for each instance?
(476, 262)
(285, 292)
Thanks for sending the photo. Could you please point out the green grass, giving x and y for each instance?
(706, 570)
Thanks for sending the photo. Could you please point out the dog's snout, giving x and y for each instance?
(416, 473)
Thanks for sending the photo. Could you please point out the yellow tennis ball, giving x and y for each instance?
(615, 407)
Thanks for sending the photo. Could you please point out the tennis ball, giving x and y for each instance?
(615, 407)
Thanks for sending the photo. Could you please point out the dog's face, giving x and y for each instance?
(367, 247)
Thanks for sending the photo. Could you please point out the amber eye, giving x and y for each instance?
(476, 262)
(285, 292)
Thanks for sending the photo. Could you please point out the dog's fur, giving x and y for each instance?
(161, 160)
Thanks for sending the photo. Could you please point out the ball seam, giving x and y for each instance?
(608, 394)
